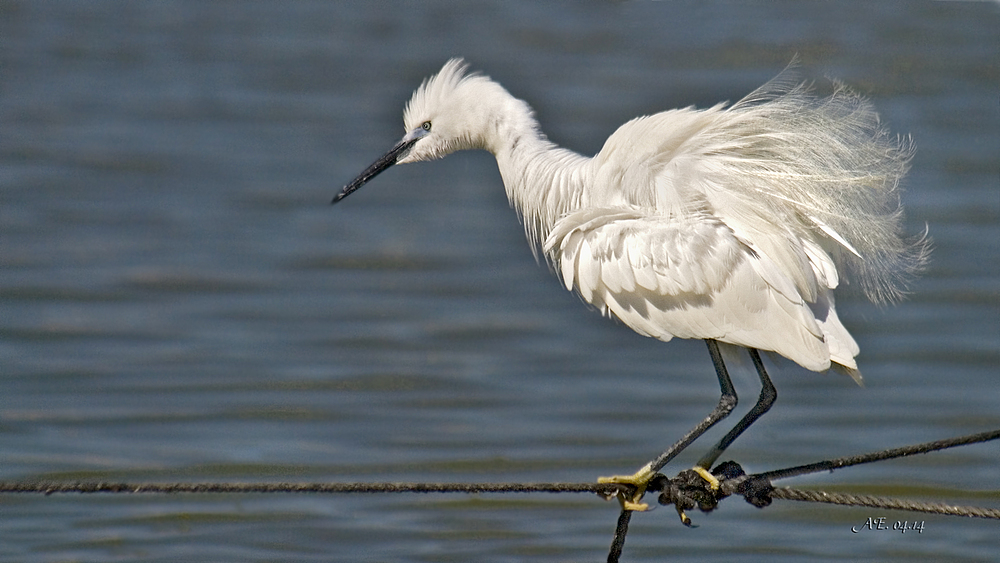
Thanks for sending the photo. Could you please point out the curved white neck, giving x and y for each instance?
(543, 182)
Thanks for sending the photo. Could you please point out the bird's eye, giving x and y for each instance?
(426, 125)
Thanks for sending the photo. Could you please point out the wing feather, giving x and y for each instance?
(692, 277)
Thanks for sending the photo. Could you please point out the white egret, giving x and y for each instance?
(732, 224)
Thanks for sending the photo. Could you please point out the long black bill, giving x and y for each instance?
(392, 157)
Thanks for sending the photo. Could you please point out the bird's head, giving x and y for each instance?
(450, 111)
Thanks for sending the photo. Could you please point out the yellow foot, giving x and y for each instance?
(706, 475)
(639, 480)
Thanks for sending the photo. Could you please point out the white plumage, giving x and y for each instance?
(731, 224)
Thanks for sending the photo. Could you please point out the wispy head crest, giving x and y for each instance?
(434, 91)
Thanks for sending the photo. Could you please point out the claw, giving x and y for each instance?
(634, 506)
(706, 475)
(684, 518)
(640, 480)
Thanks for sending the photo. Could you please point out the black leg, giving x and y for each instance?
(768, 394)
(727, 402)
(641, 478)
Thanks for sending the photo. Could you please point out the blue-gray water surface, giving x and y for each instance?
(179, 302)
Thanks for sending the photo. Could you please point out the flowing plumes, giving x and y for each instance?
(823, 167)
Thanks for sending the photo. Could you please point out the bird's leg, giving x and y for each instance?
(768, 394)
(726, 404)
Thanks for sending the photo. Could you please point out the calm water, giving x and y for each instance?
(179, 302)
